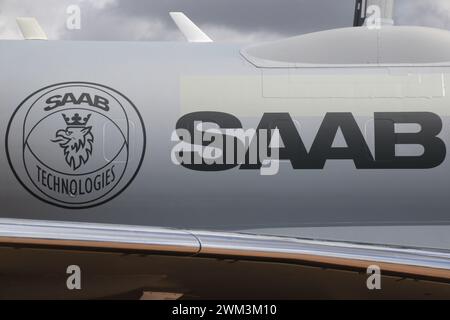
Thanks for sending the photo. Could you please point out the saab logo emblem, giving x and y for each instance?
(76, 140)
(76, 144)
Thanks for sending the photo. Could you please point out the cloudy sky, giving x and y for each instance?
(222, 20)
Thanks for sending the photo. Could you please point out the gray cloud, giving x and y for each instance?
(282, 16)
(432, 13)
(223, 20)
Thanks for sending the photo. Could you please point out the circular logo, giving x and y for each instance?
(75, 144)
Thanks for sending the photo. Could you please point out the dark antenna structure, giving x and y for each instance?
(360, 13)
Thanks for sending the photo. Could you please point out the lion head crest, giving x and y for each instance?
(76, 140)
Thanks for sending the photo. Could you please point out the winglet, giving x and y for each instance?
(191, 32)
(30, 28)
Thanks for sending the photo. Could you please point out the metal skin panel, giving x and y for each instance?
(156, 78)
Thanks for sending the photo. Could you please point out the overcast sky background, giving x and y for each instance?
(222, 20)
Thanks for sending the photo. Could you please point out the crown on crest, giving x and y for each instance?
(76, 120)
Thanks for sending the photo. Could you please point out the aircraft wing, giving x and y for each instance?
(130, 261)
